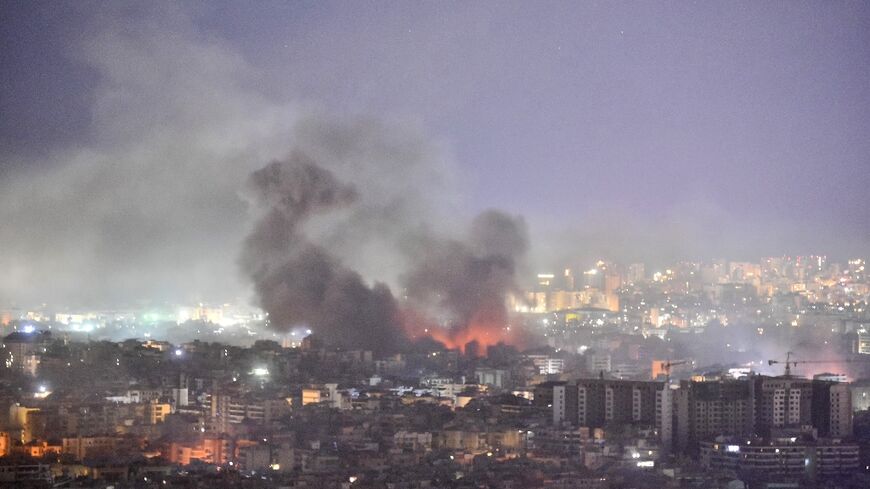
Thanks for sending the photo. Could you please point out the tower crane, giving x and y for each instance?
(789, 363)
(666, 366)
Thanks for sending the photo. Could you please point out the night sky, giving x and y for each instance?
(636, 131)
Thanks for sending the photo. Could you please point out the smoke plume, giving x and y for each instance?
(469, 279)
(357, 232)
(298, 280)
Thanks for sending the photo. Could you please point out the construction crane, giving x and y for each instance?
(666, 366)
(789, 363)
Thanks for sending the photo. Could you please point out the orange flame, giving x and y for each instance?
(483, 330)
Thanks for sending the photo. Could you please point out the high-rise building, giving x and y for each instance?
(760, 406)
(832, 409)
(705, 410)
(782, 402)
(841, 411)
(596, 403)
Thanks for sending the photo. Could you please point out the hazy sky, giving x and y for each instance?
(635, 130)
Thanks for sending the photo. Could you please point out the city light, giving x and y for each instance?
(501, 244)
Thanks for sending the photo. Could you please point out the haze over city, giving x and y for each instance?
(640, 133)
(353, 245)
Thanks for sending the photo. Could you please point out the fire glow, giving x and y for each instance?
(473, 338)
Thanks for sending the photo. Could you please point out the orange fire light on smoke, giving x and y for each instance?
(485, 332)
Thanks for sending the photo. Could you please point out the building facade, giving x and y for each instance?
(597, 403)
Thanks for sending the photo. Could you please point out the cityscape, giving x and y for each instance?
(690, 376)
(425, 245)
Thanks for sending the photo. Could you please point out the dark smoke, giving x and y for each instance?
(299, 282)
(470, 280)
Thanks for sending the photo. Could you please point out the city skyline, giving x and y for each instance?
(434, 245)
